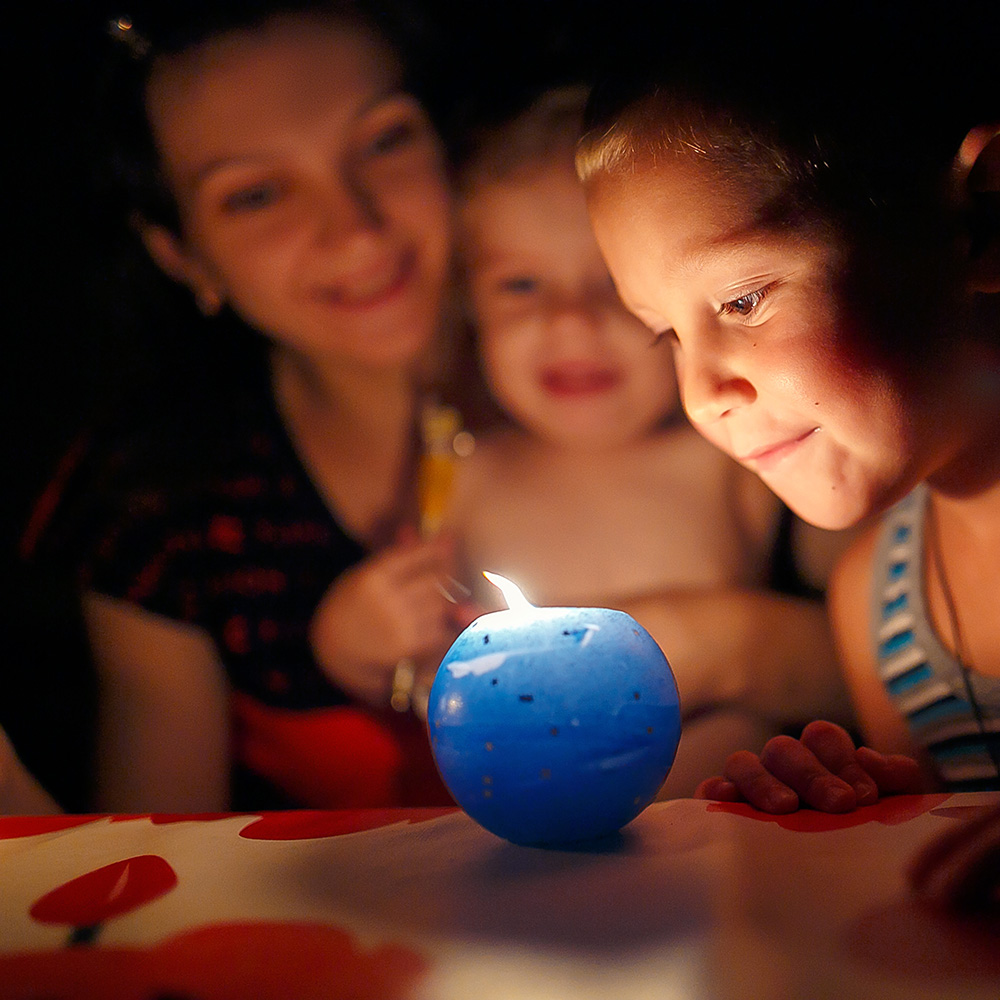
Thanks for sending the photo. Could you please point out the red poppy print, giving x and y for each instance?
(107, 892)
(889, 811)
(12, 827)
(309, 825)
(266, 961)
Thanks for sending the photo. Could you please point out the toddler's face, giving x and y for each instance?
(311, 190)
(763, 342)
(562, 354)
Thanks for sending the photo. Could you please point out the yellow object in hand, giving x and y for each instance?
(444, 442)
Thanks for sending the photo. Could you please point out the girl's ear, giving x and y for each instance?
(977, 171)
(170, 256)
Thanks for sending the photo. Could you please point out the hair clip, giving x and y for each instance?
(123, 30)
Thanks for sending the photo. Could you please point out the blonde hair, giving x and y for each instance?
(660, 124)
(548, 127)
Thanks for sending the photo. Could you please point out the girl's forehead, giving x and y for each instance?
(682, 201)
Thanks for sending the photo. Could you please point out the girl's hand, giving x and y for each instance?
(391, 606)
(961, 869)
(821, 769)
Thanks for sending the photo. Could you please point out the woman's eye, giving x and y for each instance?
(392, 138)
(745, 305)
(520, 285)
(252, 198)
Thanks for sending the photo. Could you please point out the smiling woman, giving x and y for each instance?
(244, 539)
(321, 218)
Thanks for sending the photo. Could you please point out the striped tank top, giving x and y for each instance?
(922, 677)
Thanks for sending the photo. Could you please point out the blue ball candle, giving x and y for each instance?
(553, 725)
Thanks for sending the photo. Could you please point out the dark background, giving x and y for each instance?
(64, 358)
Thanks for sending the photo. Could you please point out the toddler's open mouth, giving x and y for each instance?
(579, 379)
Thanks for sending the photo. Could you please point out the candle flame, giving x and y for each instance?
(516, 601)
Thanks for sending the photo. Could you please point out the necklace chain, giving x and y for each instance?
(954, 627)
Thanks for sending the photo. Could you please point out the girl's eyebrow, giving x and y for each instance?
(702, 254)
(734, 243)
(779, 213)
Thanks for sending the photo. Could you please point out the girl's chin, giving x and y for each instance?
(826, 506)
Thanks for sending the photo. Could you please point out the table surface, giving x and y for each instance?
(691, 900)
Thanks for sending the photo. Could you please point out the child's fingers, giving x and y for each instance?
(758, 786)
(894, 774)
(834, 749)
(718, 790)
(464, 613)
(792, 763)
(402, 563)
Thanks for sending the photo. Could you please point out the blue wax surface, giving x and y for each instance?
(553, 725)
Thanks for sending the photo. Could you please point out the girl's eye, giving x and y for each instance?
(252, 198)
(745, 306)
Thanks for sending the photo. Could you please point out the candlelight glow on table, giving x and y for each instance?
(553, 725)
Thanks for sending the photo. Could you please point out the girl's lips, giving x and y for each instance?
(375, 291)
(770, 455)
(578, 380)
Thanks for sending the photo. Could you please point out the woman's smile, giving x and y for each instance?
(374, 289)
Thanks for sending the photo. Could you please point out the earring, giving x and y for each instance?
(209, 302)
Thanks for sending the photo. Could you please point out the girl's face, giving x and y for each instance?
(767, 354)
(311, 189)
(562, 354)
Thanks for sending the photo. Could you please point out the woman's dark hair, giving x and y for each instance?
(145, 321)
(125, 157)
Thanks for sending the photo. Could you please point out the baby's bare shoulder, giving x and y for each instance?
(492, 461)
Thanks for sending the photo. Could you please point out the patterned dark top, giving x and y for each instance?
(204, 514)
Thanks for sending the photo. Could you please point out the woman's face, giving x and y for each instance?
(311, 189)
(770, 361)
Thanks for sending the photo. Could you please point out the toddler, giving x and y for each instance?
(595, 490)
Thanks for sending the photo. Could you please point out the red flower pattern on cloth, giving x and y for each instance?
(262, 960)
(12, 827)
(888, 811)
(106, 892)
(308, 825)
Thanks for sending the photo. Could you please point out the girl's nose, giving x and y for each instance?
(711, 383)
